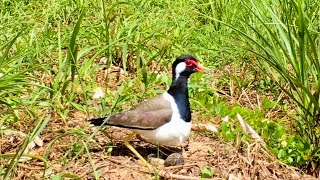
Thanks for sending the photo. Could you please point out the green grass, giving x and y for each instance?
(51, 52)
(284, 43)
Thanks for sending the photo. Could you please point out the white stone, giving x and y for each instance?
(98, 93)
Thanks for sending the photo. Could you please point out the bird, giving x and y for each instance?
(165, 119)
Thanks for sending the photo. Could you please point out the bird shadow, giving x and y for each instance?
(144, 149)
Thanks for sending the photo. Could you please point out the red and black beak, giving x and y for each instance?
(200, 68)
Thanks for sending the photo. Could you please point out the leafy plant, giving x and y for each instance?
(289, 46)
(206, 172)
(284, 39)
(64, 81)
(227, 131)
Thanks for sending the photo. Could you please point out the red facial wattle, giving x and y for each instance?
(192, 63)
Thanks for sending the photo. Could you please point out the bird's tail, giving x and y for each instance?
(97, 121)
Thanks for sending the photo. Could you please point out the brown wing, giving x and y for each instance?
(141, 120)
(156, 103)
(150, 114)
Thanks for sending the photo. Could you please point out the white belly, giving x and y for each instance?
(175, 132)
(172, 134)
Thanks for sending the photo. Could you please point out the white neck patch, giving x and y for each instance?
(179, 68)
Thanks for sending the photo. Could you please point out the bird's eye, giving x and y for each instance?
(189, 62)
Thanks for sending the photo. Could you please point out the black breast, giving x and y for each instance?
(183, 104)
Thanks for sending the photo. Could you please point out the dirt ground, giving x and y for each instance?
(114, 161)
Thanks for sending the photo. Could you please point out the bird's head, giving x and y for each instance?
(185, 65)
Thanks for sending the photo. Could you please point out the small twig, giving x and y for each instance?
(278, 100)
(168, 175)
(223, 92)
(244, 92)
(30, 168)
(21, 174)
(181, 166)
(240, 97)
(91, 171)
(258, 102)
(118, 162)
(124, 177)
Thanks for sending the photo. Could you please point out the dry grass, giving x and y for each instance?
(228, 161)
(246, 161)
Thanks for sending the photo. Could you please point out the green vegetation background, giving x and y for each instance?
(52, 51)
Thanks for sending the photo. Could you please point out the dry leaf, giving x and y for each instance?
(248, 129)
(204, 127)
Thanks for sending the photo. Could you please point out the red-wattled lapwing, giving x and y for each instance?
(164, 120)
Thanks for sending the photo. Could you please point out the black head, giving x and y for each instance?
(182, 68)
(185, 65)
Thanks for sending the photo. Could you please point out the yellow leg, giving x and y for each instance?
(126, 142)
(183, 152)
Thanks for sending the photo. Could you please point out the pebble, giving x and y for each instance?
(174, 159)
